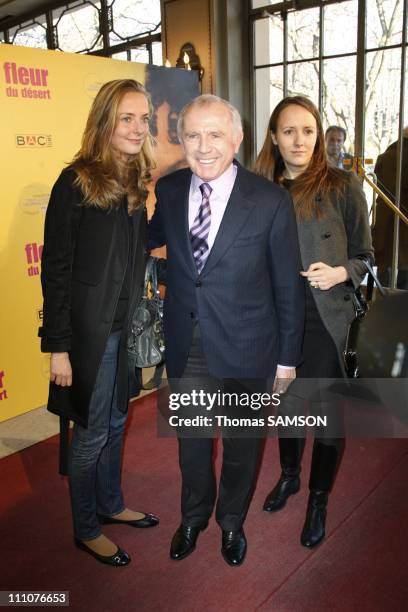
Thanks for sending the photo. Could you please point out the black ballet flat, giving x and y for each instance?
(149, 520)
(119, 559)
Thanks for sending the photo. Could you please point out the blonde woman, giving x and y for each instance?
(92, 270)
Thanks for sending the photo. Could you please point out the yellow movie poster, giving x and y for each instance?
(45, 99)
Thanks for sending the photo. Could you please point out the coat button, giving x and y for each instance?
(192, 315)
(198, 283)
(347, 297)
(327, 235)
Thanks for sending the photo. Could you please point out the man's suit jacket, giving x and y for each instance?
(383, 231)
(249, 297)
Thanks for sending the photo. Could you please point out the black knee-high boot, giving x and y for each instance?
(290, 452)
(326, 459)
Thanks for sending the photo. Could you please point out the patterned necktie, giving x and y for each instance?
(201, 228)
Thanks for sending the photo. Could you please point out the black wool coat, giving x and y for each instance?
(84, 260)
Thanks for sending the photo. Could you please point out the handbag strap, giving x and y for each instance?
(372, 279)
(150, 276)
(153, 275)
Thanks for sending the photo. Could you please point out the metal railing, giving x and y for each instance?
(371, 179)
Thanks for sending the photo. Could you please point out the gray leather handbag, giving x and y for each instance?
(145, 344)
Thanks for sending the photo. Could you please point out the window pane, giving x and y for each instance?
(260, 3)
(33, 35)
(338, 20)
(384, 22)
(157, 51)
(339, 96)
(382, 100)
(268, 91)
(303, 34)
(140, 54)
(268, 41)
(78, 29)
(303, 79)
(131, 17)
(122, 55)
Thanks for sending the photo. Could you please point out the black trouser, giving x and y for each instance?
(239, 465)
(326, 458)
(320, 361)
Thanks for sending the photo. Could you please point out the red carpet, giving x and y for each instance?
(361, 565)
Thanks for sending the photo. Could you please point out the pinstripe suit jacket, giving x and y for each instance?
(249, 297)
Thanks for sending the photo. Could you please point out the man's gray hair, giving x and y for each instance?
(207, 100)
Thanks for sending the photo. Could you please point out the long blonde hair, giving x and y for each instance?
(319, 178)
(101, 175)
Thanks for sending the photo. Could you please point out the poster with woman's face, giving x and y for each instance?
(170, 89)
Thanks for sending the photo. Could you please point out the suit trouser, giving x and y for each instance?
(239, 465)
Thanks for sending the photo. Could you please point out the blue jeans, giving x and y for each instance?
(95, 455)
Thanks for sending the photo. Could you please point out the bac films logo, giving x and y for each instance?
(26, 82)
(3, 391)
(33, 252)
(33, 141)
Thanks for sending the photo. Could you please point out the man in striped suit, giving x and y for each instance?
(234, 304)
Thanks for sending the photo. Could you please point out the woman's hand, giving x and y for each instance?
(60, 369)
(324, 277)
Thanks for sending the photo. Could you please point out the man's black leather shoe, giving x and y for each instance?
(314, 528)
(285, 487)
(234, 547)
(184, 541)
(149, 520)
(119, 559)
